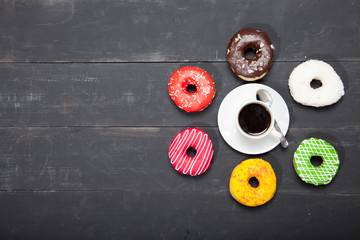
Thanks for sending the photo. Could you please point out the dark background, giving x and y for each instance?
(86, 120)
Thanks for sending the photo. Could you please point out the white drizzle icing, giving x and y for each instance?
(204, 152)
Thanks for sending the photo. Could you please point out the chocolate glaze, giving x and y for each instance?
(250, 69)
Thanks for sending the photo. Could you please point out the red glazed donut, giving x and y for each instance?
(198, 139)
(198, 100)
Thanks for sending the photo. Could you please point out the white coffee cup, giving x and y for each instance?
(255, 119)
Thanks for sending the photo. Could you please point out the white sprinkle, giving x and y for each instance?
(261, 63)
(243, 65)
(250, 71)
(237, 39)
(258, 30)
(272, 46)
(228, 51)
(261, 45)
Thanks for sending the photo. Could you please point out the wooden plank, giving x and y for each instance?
(137, 95)
(86, 120)
(156, 31)
(175, 215)
(128, 158)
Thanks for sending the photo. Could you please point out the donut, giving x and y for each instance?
(246, 39)
(243, 192)
(191, 138)
(184, 77)
(330, 91)
(319, 175)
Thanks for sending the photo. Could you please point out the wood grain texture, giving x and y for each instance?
(86, 120)
(136, 95)
(200, 215)
(128, 158)
(156, 31)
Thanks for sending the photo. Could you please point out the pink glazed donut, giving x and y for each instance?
(181, 161)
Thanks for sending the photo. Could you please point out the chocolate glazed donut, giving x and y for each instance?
(246, 39)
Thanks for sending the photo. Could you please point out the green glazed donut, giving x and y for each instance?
(319, 175)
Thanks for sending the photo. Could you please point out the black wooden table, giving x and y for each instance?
(86, 119)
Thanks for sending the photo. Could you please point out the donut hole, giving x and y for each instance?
(191, 88)
(191, 152)
(315, 83)
(250, 53)
(254, 182)
(316, 161)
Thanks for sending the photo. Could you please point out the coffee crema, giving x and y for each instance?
(254, 119)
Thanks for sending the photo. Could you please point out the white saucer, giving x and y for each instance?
(227, 119)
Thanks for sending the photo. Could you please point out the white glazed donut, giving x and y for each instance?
(331, 90)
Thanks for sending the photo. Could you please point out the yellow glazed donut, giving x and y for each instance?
(243, 192)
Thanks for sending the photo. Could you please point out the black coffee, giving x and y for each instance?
(254, 119)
